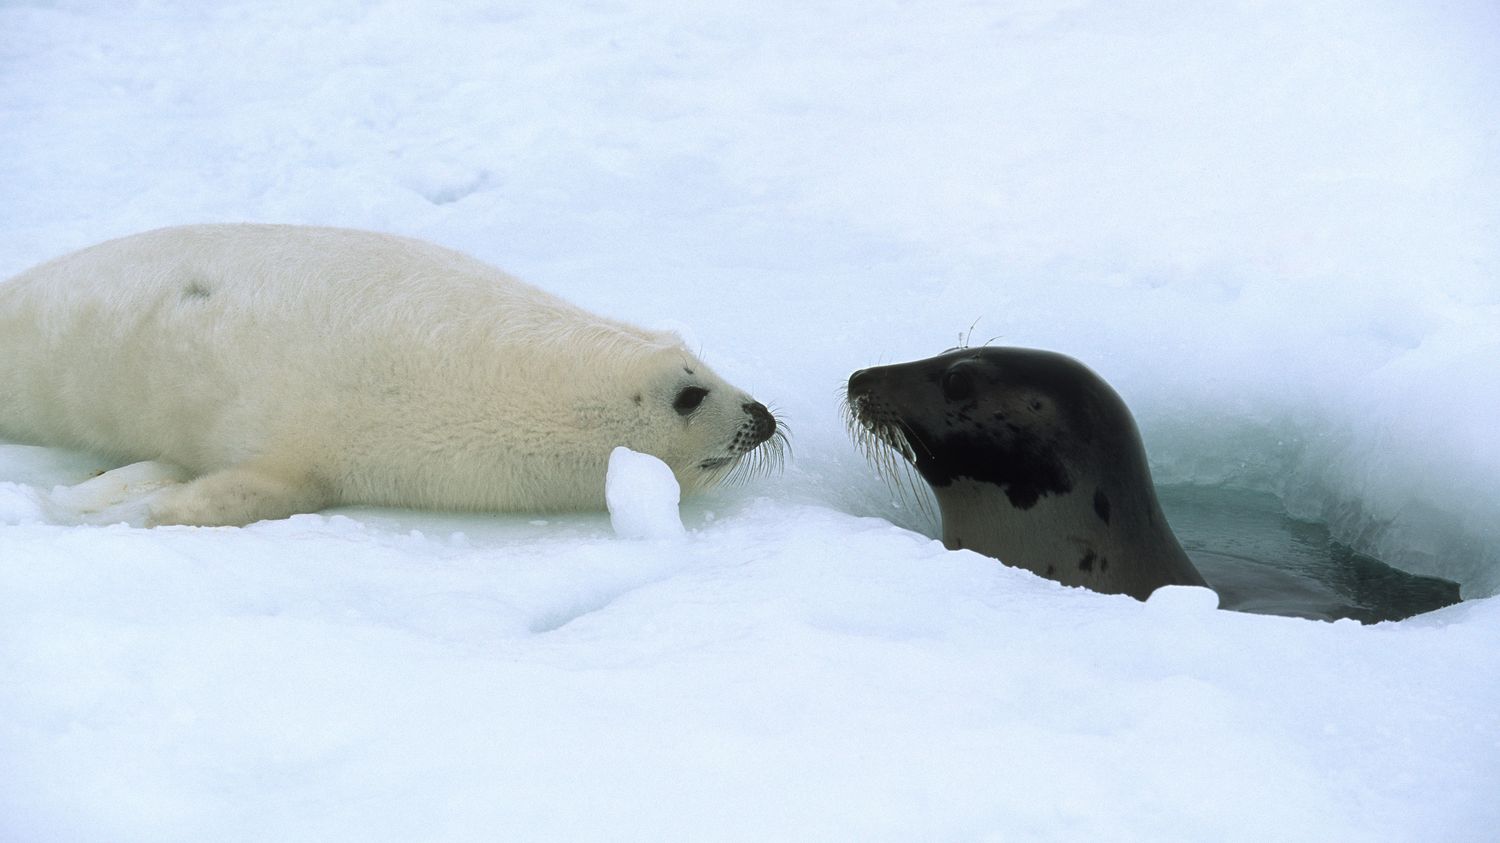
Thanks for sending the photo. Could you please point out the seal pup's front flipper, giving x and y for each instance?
(239, 495)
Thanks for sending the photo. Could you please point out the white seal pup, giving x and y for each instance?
(1033, 459)
(289, 368)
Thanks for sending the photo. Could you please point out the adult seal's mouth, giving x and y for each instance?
(873, 422)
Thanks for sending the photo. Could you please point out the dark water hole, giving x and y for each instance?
(1261, 561)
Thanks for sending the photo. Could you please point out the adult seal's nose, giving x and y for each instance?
(762, 423)
(860, 382)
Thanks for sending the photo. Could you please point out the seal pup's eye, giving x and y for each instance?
(957, 385)
(688, 399)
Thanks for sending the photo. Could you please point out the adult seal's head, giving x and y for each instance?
(1033, 459)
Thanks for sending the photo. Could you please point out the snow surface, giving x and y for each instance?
(1272, 226)
(642, 496)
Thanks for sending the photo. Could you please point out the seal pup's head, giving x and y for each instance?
(577, 386)
(706, 429)
(1033, 459)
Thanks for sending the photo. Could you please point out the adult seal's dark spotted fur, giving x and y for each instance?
(1034, 460)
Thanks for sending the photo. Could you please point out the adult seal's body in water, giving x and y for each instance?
(286, 369)
(1033, 459)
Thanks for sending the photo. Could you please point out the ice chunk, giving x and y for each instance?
(642, 495)
(1182, 600)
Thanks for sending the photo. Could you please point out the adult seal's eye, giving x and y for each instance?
(957, 385)
(688, 399)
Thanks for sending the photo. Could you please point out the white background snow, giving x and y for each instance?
(1272, 225)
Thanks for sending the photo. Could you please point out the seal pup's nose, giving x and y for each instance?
(762, 423)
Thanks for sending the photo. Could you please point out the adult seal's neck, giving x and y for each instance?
(1123, 546)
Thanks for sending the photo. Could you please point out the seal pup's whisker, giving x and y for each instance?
(766, 460)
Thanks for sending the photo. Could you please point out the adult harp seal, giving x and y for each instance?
(1033, 459)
